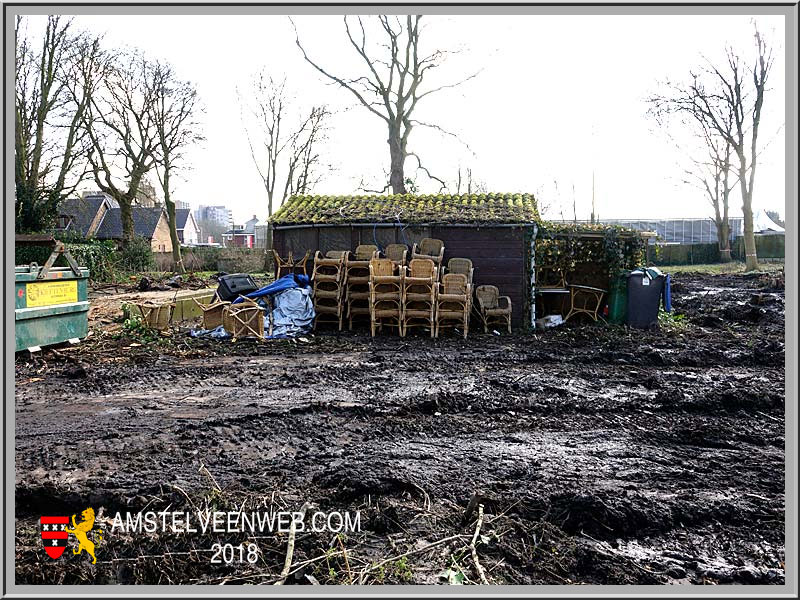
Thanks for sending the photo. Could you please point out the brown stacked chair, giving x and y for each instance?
(385, 294)
(431, 249)
(453, 302)
(489, 309)
(462, 266)
(397, 254)
(290, 264)
(419, 295)
(357, 278)
(329, 279)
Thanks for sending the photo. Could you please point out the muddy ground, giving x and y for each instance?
(599, 454)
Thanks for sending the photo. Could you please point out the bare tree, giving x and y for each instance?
(714, 177)
(711, 173)
(49, 142)
(732, 91)
(470, 185)
(392, 85)
(286, 148)
(175, 120)
(120, 123)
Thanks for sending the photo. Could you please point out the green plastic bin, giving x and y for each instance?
(50, 306)
(618, 300)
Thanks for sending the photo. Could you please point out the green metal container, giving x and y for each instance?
(618, 300)
(51, 305)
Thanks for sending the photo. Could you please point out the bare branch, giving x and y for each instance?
(393, 96)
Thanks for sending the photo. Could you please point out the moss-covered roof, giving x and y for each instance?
(409, 208)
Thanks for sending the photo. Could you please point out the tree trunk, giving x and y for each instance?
(723, 231)
(173, 226)
(397, 176)
(750, 257)
(126, 204)
(126, 214)
(268, 259)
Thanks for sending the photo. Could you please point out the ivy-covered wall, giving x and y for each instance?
(602, 250)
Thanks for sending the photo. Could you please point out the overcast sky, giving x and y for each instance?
(557, 98)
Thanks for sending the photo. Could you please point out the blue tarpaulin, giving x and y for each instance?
(287, 282)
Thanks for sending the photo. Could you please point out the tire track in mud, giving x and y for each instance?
(652, 444)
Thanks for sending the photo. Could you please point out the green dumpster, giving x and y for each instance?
(50, 304)
(618, 300)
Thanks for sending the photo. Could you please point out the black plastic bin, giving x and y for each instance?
(232, 286)
(644, 297)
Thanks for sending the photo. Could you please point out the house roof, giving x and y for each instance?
(409, 208)
(145, 221)
(82, 211)
(181, 216)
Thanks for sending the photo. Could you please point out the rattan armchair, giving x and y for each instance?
(429, 248)
(489, 309)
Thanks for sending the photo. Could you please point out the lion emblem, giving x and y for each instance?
(81, 530)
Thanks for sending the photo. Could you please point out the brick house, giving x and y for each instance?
(99, 216)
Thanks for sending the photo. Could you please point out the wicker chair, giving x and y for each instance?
(156, 315)
(419, 295)
(212, 312)
(585, 299)
(461, 265)
(385, 295)
(397, 254)
(290, 264)
(328, 282)
(357, 282)
(429, 248)
(453, 302)
(489, 309)
(244, 319)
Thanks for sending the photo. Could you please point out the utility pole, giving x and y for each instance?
(593, 213)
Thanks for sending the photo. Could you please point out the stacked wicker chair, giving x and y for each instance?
(462, 266)
(419, 295)
(453, 303)
(431, 249)
(385, 295)
(397, 253)
(357, 282)
(329, 284)
(289, 264)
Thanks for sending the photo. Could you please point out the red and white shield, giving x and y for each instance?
(54, 535)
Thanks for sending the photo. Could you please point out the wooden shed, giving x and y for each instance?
(495, 231)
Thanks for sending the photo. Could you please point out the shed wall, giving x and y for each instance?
(499, 254)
